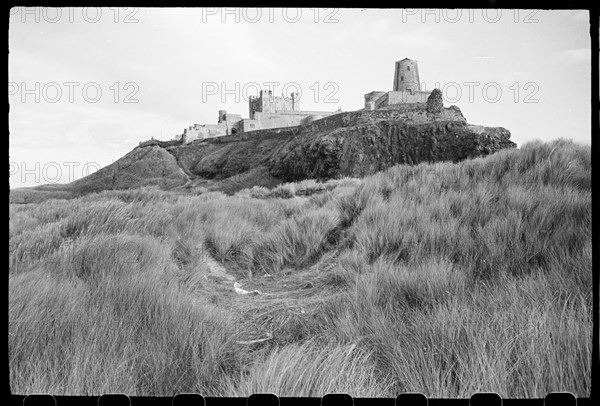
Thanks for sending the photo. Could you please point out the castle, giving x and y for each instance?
(267, 111)
(407, 88)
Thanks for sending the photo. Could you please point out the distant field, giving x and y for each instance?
(37, 195)
(446, 279)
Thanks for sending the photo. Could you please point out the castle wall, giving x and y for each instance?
(248, 125)
(275, 120)
(230, 124)
(401, 97)
(334, 120)
(199, 132)
(285, 118)
(371, 98)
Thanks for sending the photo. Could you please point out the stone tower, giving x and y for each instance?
(406, 76)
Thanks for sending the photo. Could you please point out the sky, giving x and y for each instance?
(86, 85)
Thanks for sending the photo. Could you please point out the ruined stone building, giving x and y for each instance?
(407, 87)
(266, 111)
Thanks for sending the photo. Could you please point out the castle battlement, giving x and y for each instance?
(267, 103)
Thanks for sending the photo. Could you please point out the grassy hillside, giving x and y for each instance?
(446, 279)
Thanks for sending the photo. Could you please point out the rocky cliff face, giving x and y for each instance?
(373, 142)
(351, 144)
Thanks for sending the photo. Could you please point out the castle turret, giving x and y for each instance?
(295, 102)
(222, 116)
(406, 76)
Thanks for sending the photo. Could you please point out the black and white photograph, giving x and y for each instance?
(229, 201)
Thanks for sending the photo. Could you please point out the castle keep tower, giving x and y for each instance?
(406, 90)
(267, 103)
(406, 76)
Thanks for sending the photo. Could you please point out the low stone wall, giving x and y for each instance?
(164, 144)
(333, 121)
(401, 97)
(252, 135)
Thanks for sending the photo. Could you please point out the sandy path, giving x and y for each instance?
(269, 302)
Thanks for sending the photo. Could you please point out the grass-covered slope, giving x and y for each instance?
(446, 279)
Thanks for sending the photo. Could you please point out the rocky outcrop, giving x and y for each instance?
(406, 136)
(435, 103)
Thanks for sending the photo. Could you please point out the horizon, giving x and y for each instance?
(141, 84)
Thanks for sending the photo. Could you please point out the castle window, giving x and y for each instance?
(401, 77)
(408, 68)
(251, 125)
